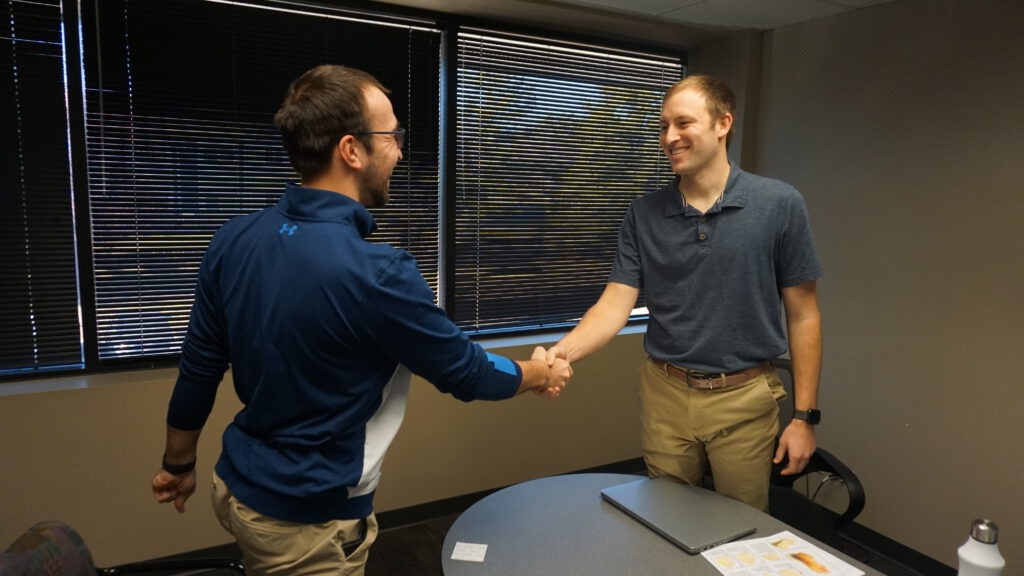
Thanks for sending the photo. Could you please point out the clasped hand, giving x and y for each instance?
(559, 373)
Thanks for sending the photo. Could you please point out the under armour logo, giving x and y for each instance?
(288, 229)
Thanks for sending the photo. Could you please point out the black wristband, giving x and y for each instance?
(178, 469)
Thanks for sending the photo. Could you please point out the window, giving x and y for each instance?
(180, 139)
(131, 130)
(39, 320)
(554, 140)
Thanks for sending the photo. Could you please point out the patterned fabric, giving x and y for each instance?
(47, 549)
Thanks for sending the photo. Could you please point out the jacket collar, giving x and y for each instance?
(304, 203)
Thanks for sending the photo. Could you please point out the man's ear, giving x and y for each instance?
(351, 152)
(724, 124)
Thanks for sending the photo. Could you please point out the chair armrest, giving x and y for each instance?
(853, 486)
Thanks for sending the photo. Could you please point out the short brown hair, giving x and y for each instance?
(322, 105)
(717, 94)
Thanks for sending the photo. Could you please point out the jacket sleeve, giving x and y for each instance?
(404, 321)
(204, 359)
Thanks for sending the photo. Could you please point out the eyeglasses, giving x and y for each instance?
(398, 134)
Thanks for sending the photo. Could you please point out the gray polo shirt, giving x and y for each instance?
(713, 281)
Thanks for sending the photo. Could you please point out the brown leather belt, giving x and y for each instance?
(711, 380)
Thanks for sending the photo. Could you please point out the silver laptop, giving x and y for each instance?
(688, 516)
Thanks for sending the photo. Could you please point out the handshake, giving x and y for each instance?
(548, 372)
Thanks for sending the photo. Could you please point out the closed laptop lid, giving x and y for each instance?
(688, 516)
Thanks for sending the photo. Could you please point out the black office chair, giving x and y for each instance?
(813, 501)
(55, 549)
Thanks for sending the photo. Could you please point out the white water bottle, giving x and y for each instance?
(980, 556)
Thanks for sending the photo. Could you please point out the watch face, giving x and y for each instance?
(812, 416)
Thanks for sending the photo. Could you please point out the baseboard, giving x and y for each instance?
(908, 558)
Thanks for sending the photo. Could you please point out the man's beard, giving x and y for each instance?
(374, 187)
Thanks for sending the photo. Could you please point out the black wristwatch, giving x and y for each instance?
(812, 415)
(177, 469)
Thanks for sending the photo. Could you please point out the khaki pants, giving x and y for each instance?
(732, 430)
(271, 546)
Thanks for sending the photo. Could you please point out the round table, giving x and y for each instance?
(560, 525)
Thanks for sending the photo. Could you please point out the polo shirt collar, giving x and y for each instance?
(734, 196)
(315, 204)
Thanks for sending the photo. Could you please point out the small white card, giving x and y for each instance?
(469, 552)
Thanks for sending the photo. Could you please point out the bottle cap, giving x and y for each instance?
(985, 531)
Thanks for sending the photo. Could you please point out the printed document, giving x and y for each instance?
(784, 554)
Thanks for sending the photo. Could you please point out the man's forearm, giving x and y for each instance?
(181, 446)
(805, 350)
(590, 335)
(601, 323)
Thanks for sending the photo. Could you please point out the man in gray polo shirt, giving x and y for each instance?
(722, 256)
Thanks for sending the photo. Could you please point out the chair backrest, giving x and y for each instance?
(51, 548)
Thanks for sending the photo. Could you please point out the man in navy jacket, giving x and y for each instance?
(322, 330)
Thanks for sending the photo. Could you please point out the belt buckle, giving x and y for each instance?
(700, 375)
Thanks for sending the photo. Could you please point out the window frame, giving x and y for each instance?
(450, 25)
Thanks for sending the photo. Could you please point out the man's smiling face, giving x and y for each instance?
(690, 137)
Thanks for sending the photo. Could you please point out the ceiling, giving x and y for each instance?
(728, 14)
(674, 23)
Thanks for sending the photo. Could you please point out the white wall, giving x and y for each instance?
(902, 126)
